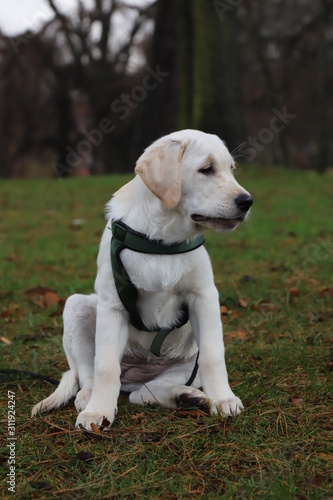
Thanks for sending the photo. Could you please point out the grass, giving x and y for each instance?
(275, 279)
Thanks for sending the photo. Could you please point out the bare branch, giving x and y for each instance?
(64, 23)
(124, 51)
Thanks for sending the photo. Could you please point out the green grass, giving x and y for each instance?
(277, 344)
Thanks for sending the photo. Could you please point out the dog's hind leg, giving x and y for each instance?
(79, 342)
(169, 389)
(79, 345)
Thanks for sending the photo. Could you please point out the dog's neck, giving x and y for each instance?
(140, 209)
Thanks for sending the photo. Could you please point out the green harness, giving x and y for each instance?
(125, 237)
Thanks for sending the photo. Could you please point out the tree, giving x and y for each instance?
(324, 84)
(34, 108)
(77, 61)
(199, 53)
(101, 70)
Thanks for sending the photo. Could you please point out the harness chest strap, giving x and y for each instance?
(125, 237)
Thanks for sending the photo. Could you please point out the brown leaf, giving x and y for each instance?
(192, 413)
(315, 480)
(5, 340)
(242, 303)
(297, 401)
(264, 305)
(294, 292)
(326, 291)
(37, 296)
(224, 310)
(50, 299)
(239, 334)
(138, 416)
(95, 428)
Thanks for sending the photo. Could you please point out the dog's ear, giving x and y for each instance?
(159, 167)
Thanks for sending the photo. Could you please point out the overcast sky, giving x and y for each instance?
(17, 16)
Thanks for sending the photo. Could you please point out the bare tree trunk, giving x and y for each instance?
(202, 89)
(157, 114)
(257, 21)
(324, 101)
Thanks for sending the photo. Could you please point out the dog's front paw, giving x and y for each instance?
(229, 407)
(102, 419)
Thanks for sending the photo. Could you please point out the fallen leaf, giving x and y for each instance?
(297, 401)
(242, 303)
(224, 310)
(50, 299)
(192, 413)
(239, 334)
(138, 416)
(315, 480)
(294, 292)
(326, 291)
(5, 340)
(95, 428)
(264, 305)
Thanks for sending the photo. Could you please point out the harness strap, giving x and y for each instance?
(139, 242)
(125, 237)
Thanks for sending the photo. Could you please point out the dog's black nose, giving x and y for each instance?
(244, 202)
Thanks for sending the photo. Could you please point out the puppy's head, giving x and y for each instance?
(192, 172)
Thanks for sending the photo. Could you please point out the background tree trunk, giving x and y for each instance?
(324, 100)
(203, 88)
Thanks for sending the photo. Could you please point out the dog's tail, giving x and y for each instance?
(68, 387)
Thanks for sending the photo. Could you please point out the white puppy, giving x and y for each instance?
(185, 184)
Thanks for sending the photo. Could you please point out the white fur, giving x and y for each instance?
(97, 332)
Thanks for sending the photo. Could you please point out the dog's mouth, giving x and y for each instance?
(217, 223)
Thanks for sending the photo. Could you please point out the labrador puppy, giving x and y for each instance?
(184, 185)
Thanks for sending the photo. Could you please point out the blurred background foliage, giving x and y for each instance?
(88, 90)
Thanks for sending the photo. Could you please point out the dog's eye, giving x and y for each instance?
(208, 170)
